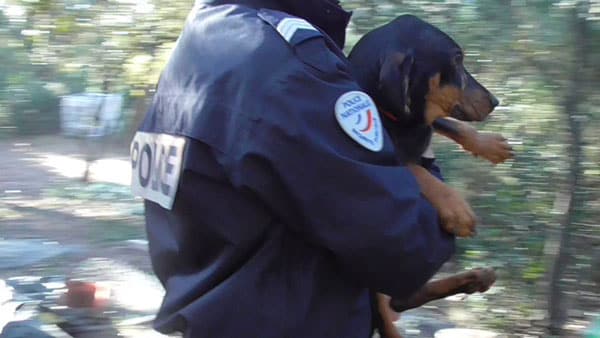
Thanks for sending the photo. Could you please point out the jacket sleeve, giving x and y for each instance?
(356, 204)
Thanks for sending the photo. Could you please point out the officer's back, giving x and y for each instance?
(264, 218)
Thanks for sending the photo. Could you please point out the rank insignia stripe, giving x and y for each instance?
(294, 30)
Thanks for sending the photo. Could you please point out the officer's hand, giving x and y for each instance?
(456, 215)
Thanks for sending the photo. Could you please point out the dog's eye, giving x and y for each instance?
(458, 58)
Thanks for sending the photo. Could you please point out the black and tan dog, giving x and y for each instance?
(416, 76)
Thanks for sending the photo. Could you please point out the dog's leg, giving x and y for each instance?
(388, 316)
(455, 214)
(476, 280)
(492, 147)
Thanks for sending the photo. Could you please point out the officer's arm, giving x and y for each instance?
(351, 201)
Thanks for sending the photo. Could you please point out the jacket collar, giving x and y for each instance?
(328, 15)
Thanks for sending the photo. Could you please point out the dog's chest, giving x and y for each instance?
(411, 143)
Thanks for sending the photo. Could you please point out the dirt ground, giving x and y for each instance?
(97, 225)
(42, 196)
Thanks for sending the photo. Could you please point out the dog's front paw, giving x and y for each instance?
(492, 147)
(456, 215)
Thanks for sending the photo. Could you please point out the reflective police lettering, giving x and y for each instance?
(358, 116)
(156, 161)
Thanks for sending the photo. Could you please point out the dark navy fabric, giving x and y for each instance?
(327, 15)
(302, 34)
(281, 222)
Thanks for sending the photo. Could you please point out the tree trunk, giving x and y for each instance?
(557, 302)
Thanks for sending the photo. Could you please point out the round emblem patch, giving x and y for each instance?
(358, 116)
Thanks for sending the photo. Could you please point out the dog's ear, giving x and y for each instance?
(394, 84)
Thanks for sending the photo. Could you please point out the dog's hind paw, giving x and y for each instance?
(478, 280)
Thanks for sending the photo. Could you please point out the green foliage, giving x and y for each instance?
(521, 50)
(594, 331)
(534, 272)
(73, 82)
(35, 109)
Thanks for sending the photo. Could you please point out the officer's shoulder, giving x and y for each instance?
(305, 41)
(293, 30)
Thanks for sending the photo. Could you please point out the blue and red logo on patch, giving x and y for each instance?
(357, 114)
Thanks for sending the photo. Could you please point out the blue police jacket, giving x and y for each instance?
(269, 213)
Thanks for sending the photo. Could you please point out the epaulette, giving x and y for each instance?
(293, 29)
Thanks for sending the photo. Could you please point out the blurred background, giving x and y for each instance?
(77, 75)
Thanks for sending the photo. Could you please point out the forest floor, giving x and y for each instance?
(44, 202)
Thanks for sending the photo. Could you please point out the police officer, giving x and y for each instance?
(273, 197)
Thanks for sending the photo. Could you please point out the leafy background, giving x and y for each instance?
(539, 213)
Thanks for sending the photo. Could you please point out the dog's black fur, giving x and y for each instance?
(394, 64)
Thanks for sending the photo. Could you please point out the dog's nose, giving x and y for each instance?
(494, 101)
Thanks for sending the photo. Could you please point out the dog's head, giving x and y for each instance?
(415, 73)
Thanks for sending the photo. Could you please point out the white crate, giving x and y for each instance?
(90, 115)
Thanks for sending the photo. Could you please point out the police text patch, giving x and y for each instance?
(357, 114)
(156, 161)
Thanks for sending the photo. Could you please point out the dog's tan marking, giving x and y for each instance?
(440, 100)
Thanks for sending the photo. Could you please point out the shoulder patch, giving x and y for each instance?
(156, 162)
(293, 29)
(357, 114)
